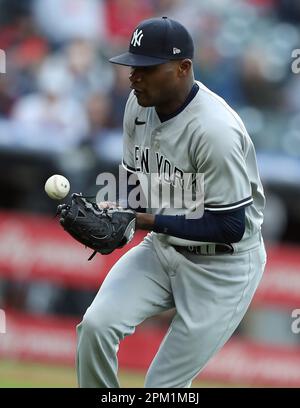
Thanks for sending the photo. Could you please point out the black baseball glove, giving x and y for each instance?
(102, 230)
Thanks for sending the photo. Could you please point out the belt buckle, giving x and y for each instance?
(228, 249)
(197, 250)
(209, 249)
(191, 248)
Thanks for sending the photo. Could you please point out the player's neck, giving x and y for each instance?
(175, 104)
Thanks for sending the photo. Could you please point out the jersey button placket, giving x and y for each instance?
(155, 139)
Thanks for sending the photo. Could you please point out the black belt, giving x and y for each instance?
(206, 249)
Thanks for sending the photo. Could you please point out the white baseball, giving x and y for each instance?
(57, 187)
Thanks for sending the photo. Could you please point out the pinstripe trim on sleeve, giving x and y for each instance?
(229, 207)
(128, 168)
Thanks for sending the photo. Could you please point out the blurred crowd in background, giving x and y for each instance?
(62, 102)
(57, 66)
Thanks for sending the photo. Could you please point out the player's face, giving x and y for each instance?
(155, 85)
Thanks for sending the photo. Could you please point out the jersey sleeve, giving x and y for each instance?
(128, 160)
(220, 156)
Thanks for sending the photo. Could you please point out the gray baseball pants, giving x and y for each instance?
(210, 293)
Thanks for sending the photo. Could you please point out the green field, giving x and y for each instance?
(16, 374)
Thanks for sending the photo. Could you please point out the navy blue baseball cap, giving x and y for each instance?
(156, 41)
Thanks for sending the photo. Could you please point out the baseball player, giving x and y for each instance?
(207, 268)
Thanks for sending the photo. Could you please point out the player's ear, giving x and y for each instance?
(184, 67)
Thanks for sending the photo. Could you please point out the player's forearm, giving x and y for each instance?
(211, 227)
(223, 228)
(145, 221)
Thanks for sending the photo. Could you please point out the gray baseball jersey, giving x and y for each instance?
(207, 137)
(210, 292)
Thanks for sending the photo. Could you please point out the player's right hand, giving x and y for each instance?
(107, 204)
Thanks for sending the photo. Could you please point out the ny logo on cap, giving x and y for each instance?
(176, 50)
(136, 38)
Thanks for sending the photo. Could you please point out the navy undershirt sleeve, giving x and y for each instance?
(227, 227)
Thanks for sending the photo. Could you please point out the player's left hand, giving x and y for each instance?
(101, 229)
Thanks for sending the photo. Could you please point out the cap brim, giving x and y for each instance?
(136, 60)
